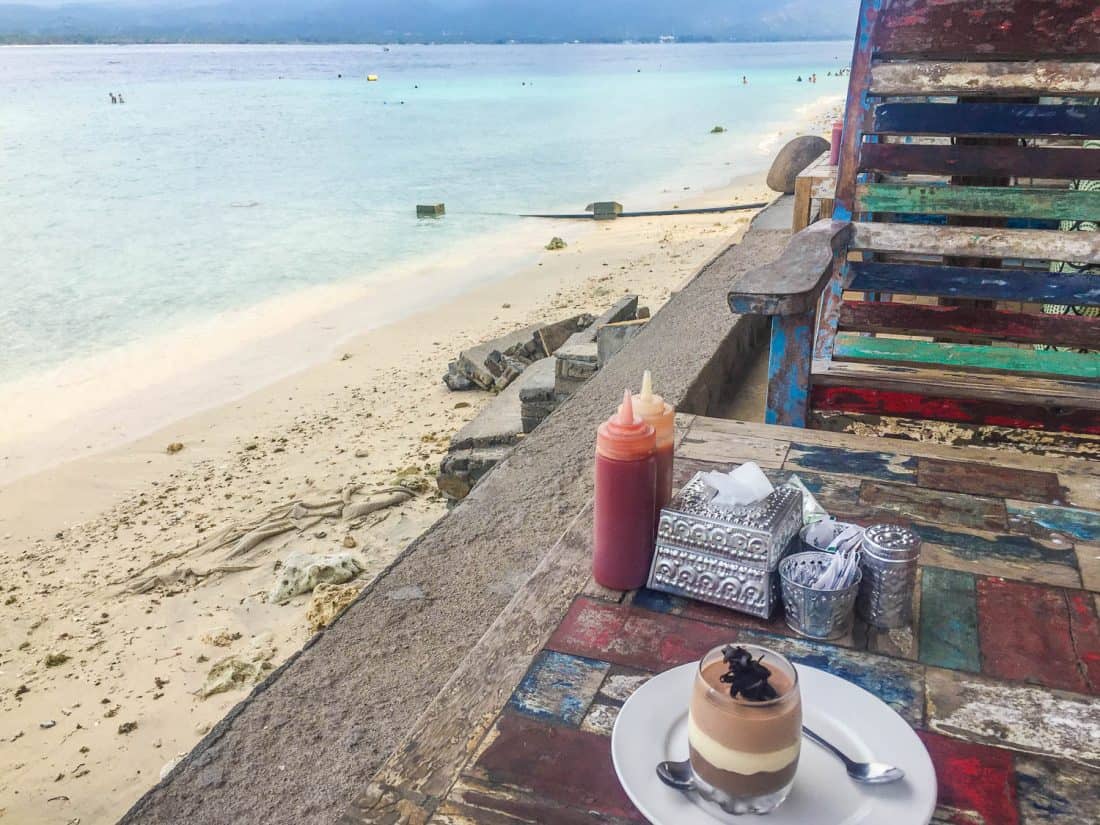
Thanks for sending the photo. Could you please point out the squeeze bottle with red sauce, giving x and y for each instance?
(662, 417)
(626, 484)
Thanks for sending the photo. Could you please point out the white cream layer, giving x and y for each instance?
(745, 763)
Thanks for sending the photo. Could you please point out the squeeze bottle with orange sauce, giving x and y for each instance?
(660, 415)
(626, 484)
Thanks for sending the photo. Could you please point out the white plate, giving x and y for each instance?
(652, 727)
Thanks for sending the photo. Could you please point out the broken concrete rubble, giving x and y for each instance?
(495, 364)
(540, 388)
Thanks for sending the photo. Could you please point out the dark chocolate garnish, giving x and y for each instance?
(747, 677)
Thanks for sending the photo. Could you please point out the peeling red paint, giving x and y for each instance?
(976, 782)
(634, 637)
(1085, 632)
(913, 405)
(1024, 633)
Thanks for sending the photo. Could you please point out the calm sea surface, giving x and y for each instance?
(232, 174)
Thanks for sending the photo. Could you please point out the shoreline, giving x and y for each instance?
(80, 541)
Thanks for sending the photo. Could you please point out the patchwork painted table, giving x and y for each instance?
(999, 674)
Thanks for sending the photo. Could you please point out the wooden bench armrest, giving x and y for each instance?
(791, 285)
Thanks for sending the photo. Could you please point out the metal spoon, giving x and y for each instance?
(678, 775)
(870, 773)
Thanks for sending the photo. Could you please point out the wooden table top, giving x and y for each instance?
(999, 673)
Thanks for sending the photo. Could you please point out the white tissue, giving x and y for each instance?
(811, 510)
(743, 486)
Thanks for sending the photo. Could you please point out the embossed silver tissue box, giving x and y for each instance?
(725, 556)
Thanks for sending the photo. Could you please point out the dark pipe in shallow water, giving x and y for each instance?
(705, 210)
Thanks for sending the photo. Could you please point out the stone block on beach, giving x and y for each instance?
(485, 440)
(460, 470)
(792, 159)
(552, 336)
(495, 364)
(611, 338)
(472, 362)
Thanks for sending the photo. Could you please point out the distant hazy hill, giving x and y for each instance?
(429, 20)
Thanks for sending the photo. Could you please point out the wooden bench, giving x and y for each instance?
(966, 142)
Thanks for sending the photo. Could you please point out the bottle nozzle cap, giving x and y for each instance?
(647, 387)
(626, 410)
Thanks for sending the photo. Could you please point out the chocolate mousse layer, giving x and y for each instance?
(741, 785)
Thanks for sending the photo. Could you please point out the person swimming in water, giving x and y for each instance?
(113, 98)
(120, 100)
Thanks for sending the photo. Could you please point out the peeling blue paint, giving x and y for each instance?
(1011, 548)
(882, 466)
(559, 687)
(1083, 525)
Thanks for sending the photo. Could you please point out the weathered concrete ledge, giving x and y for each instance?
(308, 739)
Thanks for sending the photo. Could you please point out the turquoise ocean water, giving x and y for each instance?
(233, 174)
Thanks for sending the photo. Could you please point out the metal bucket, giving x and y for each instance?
(818, 614)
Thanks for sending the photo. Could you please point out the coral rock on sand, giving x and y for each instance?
(328, 602)
(302, 572)
(792, 159)
(174, 447)
(240, 670)
(556, 243)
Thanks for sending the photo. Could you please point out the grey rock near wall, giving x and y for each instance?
(792, 159)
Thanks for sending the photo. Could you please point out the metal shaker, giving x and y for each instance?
(889, 566)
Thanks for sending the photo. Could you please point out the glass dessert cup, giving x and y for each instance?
(744, 752)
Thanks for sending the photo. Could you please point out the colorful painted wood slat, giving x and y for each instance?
(965, 323)
(1056, 792)
(1060, 395)
(568, 766)
(995, 161)
(987, 119)
(1025, 635)
(976, 283)
(474, 803)
(976, 479)
(558, 687)
(949, 619)
(973, 78)
(1080, 523)
(1084, 627)
(633, 637)
(1022, 717)
(884, 466)
(967, 357)
(937, 507)
(977, 783)
(979, 242)
(1020, 558)
(951, 29)
(962, 410)
(982, 201)
(789, 369)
